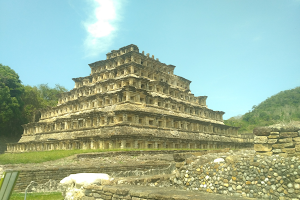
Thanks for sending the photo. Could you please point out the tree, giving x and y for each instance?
(40, 97)
(11, 103)
(50, 95)
(33, 102)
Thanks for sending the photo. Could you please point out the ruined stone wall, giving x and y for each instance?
(283, 140)
(42, 176)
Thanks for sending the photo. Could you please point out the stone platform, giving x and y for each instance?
(146, 193)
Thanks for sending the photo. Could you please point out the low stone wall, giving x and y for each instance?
(41, 176)
(276, 139)
(121, 192)
(138, 153)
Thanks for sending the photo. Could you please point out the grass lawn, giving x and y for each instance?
(43, 156)
(37, 196)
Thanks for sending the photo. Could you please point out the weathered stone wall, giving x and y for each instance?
(121, 192)
(42, 176)
(283, 140)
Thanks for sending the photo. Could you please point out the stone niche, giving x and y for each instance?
(281, 139)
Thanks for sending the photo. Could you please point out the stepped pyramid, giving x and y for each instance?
(130, 100)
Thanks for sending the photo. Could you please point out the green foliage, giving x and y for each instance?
(282, 107)
(37, 196)
(40, 97)
(50, 95)
(11, 103)
(32, 103)
(21, 104)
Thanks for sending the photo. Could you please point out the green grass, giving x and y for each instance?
(37, 196)
(43, 156)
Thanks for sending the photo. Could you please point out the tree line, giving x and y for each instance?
(282, 107)
(20, 104)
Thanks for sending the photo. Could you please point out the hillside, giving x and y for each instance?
(282, 107)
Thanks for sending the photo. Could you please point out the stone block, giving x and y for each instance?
(283, 145)
(274, 133)
(179, 157)
(285, 140)
(297, 147)
(288, 150)
(290, 128)
(272, 141)
(262, 147)
(231, 159)
(296, 139)
(180, 164)
(288, 134)
(88, 198)
(262, 131)
(273, 136)
(276, 150)
(260, 139)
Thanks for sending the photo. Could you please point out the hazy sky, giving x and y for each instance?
(236, 52)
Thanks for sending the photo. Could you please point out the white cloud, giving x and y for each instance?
(101, 26)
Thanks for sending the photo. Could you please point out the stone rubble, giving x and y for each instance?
(243, 174)
(49, 186)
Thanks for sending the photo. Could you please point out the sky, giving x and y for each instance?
(236, 52)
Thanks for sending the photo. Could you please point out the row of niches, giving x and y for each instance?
(157, 87)
(120, 52)
(129, 119)
(150, 74)
(136, 143)
(137, 98)
(110, 66)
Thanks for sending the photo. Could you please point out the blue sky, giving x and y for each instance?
(236, 52)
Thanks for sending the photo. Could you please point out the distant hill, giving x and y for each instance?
(282, 107)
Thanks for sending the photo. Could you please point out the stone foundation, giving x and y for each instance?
(131, 137)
